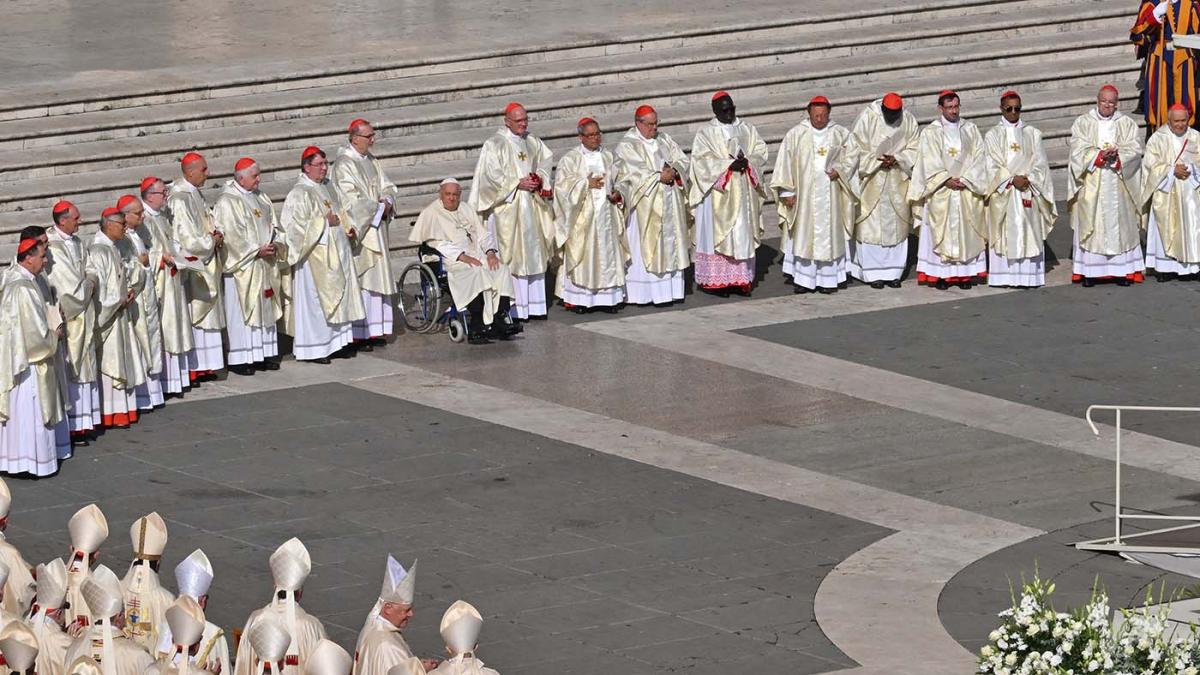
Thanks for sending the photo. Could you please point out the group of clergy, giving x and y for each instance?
(177, 285)
(76, 617)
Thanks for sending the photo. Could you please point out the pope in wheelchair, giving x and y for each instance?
(479, 281)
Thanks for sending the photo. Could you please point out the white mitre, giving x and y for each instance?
(460, 627)
(290, 565)
(269, 640)
(186, 620)
(88, 529)
(51, 584)
(399, 585)
(5, 499)
(194, 575)
(328, 658)
(148, 535)
(19, 646)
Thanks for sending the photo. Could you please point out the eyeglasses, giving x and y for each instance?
(594, 134)
(370, 135)
(1011, 108)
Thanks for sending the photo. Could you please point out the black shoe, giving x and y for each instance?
(966, 285)
(242, 370)
(826, 291)
(537, 317)
(366, 347)
(1164, 276)
(877, 285)
(941, 285)
(1088, 282)
(478, 339)
(1123, 282)
(800, 290)
(324, 360)
(894, 283)
(269, 365)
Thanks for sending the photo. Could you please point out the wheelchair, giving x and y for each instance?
(426, 305)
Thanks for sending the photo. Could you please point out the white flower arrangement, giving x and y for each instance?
(1034, 638)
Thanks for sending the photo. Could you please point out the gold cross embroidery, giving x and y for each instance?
(953, 152)
(257, 213)
(522, 156)
(822, 150)
(1015, 147)
(327, 205)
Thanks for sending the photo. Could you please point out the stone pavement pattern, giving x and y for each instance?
(693, 489)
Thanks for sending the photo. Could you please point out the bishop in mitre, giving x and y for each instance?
(949, 186)
(187, 622)
(199, 242)
(813, 177)
(20, 587)
(1021, 209)
(649, 175)
(145, 598)
(135, 250)
(34, 431)
(326, 296)
(19, 647)
(369, 200)
(511, 191)
(726, 191)
(1169, 195)
(328, 658)
(271, 644)
(460, 631)
(169, 277)
(479, 281)
(290, 566)
(193, 577)
(253, 286)
(885, 139)
(1102, 194)
(122, 364)
(48, 618)
(103, 640)
(88, 529)
(381, 646)
(74, 295)
(590, 224)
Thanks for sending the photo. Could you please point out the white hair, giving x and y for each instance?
(246, 171)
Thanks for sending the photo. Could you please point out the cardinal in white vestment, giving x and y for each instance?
(193, 577)
(479, 282)
(74, 294)
(886, 139)
(460, 631)
(813, 178)
(88, 529)
(34, 432)
(290, 566)
(368, 197)
(1021, 209)
(381, 647)
(170, 287)
(1102, 194)
(590, 224)
(1170, 197)
(326, 296)
(199, 242)
(103, 640)
(650, 177)
(135, 249)
(122, 363)
(48, 616)
(726, 191)
(949, 185)
(511, 191)
(254, 247)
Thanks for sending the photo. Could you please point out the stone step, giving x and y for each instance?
(109, 156)
(1013, 21)
(180, 84)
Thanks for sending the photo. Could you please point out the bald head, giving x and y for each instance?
(196, 171)
(1178, 119)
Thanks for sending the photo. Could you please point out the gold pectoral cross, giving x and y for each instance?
(327, 204)
(953, 152)
(1015, 147)
(822, 151)
(522, 156)
(257, 213)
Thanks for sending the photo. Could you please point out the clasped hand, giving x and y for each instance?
(1181, 171)
(529, 183)
(1021, 183)
(266, 250)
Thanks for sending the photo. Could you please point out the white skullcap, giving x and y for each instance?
(149, 537)
(269, 639)
(194, 575)
(449, 181)
(328, 658)
(290, 565)
(460, 627)
(5, 499)
(88, 528)
(19, 646)
(84, 665)
(186, 620)
(102, 593)
(399, 585)
(52, 584)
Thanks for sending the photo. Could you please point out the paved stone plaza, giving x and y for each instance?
(807, 483)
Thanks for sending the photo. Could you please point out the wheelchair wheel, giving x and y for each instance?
(457, 330)
(419, 297)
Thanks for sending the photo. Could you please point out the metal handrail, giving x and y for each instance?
(1117, 500)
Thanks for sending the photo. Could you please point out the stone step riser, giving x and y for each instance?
(801, 29)
(504, 87)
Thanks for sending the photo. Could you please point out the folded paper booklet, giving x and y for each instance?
(378, 214)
